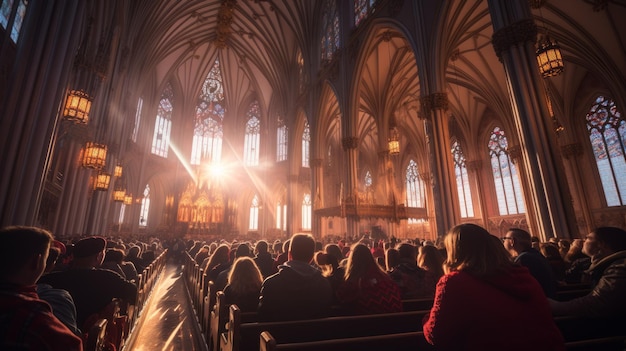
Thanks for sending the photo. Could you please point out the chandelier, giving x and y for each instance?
(102, 181)
(94, 155)
(549, 57)
(77, 106)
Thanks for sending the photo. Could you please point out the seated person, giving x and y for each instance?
(26, 321)
(298, 290)
(485, 301)
(244, 284)
(367, 288)
(414, 282)
(518, 243)
(607, 274)
(91, 287)
(60, 300)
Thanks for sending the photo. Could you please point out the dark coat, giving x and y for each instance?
(297, 291)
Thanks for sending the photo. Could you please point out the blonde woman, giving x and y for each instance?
(244, 285)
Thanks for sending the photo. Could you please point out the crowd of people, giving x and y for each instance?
(486, 290)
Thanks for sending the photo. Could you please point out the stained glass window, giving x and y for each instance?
(252, 139)
(607, 135)
(254, 214)
(5, 16)
(330, 37)
(208, 133)
(306, 212)
(306, 142)
(282, 139)
(163, 124)
(415, 189)
(505, 175)
(145, 207)
(462, 181)
(137, 120)
(362, 8)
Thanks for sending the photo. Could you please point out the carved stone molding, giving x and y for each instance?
(475, 165)
(350, 143)
(516, 33)
(435, 101)
(572, 150)
(317, 162)
(515, 153)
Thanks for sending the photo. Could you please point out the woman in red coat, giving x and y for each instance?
(485, 302)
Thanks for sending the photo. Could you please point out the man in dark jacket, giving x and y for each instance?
(519, 244)
(607, 248)
(264, 259)
(298, 290)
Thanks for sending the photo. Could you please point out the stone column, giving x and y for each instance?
(572, 153)
(547, 201)
(474, 169)
(444, 197)
(350, 145)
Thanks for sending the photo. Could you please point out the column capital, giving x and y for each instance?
(474, 165)
(350, 143)
(317, 162)
(572, 150)
(515, 153)
(434, 101)
(516, 33)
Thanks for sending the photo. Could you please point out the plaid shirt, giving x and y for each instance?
(27, 323)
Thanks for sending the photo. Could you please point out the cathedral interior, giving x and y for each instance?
(252, 119)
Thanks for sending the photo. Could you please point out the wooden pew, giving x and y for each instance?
(95, 339)
(614, 343)
(387, 342)
(246, 336)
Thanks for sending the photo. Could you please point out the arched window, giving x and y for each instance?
(252, 139)
(281, 216)
(145, 207)
(330, 37)
(506, 178)
(5, 15)
(462, 181)
(254, 214)
(362, 9)
(209, 119)
(306, 142)
(415, 189)
(120, 218)
(163, 124)
(367, 180)
(282, 139)
(137, 119)
(306, 212)
(607, 135)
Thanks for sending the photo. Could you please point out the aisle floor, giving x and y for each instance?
(167, 322)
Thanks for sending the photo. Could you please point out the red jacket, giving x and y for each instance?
(27, 323)
(506, 312)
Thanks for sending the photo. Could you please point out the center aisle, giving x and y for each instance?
(167, 321)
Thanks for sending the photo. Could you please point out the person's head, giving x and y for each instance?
(23, 254)
(360, 262)
(243, 250)
(335, 251)
(220, 256)
(261, 247)
(408, 253)
(302, 248)
(516, 241)
(604, 241)
(550, 251)
(245, 275)
(430, 259)
(473, 249)
(89, 252)
(53, 255)
(392, 258)
(114, 255)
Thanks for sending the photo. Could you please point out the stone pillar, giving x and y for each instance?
(29, 111)
(474, 169)
(547, 201)
(436, 122)
(350, 145)
(572, 153)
